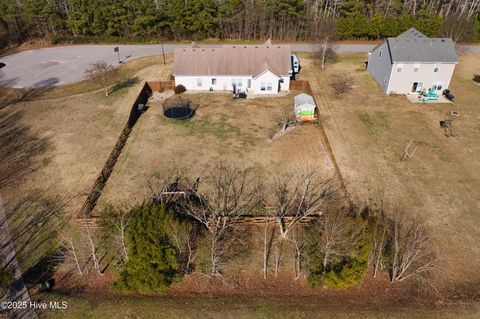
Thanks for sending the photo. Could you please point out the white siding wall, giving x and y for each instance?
(401, 82)
(285, 86)
(224, 83)
(266, 77)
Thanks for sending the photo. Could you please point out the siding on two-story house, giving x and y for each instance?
(261, 69)
(413, 62)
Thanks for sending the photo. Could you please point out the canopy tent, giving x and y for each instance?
(304, 107)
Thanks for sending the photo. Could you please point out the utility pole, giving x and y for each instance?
(163, 53)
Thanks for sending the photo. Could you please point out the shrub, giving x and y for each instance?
(180, 89)
(152, 263)
(476, 78)
(341, 84)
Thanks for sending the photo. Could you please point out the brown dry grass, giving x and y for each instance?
(368, 131)
(223, 129)
(81, 128)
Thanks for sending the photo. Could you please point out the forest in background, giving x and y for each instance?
(80, 21)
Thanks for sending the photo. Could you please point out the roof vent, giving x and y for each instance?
(268, 47)
(203, 50)
(244, 46)
(443, 40)
(233, 47)
(256, 47)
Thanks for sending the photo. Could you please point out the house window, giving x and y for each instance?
(199, 83)
(436, 68)
(249, 83)
(214, 81)
(237, 82)
(266, 86)
(380, 54)
(399, 67)
(416, 67)
(438, 86)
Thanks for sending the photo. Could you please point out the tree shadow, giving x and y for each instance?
(37, 89)
(19, 148)
(125, 84)
(8, 83)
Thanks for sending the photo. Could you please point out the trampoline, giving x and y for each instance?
(178, 108)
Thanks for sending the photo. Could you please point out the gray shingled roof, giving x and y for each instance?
(413, 46)
(233, 60)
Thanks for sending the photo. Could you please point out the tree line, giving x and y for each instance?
(154, 20)
(309, 232)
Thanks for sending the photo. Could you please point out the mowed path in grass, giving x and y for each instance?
(440, 184)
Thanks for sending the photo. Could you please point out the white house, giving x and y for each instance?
(261, 69)
(413, 62)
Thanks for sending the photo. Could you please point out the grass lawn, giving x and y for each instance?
(223, 129)
(244, 307)
(81, 127)
(368, 132)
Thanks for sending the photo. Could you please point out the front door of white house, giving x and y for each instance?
(417, 87)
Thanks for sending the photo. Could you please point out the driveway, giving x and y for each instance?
(67, 64)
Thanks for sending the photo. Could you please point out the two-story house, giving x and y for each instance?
(413, 62)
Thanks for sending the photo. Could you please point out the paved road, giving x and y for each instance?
(67, 64)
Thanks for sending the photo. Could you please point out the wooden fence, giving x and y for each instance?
(135, 113)
(304, 86)
(85, 219)
(161, 86)
(93, 221)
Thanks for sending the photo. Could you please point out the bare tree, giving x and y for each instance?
(412, 246)
(299, 245)
(341, 83)
(184, 236)
(300, 192)
(285, 116)
(337, 235)
(228, 192)
(380, 235)
(102, 73)
(114, 224)
(70, 251)
(325, 31)
(90, 237)
(267, 238)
